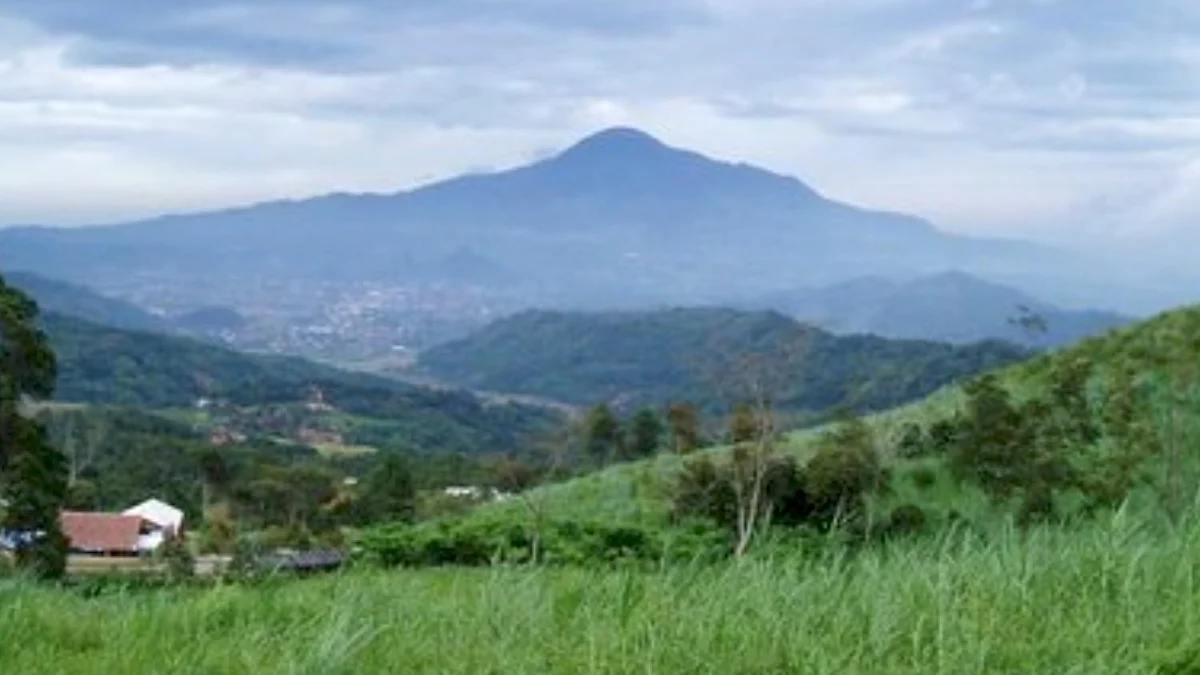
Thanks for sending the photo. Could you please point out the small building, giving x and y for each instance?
(103, 534)
(162, 522)
(139, 530)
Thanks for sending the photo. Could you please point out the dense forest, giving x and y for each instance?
(707, 356)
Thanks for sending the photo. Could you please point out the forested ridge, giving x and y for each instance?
(639, 358)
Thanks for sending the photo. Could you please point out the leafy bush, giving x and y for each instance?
(477, 542)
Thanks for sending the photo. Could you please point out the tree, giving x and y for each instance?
(36, 489)
(753, 381)
(845, 470)
(215, 478)
(603, 434)
(1032, 324)
(389, 493)
(684, 425)
(645, 434)
(742, 425)
(34, 473)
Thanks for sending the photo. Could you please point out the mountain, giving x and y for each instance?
(620, 216)
(636, 358)
(948, 307)
(74, 300)
(111, 366)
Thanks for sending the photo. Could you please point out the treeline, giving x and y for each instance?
(287, 493)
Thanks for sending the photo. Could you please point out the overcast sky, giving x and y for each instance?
(1048, 118)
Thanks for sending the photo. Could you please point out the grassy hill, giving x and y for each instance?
(117, 367)
(636, 358)
(1159, 357)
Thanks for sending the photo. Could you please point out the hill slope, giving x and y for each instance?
(618, 216)
(118, 367)
(70, 299)
(1158, 352)
(687, 354)
(948, 307)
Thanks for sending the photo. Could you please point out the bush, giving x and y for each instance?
(704, 490)
(180, 562)
(476, 543)
(906, 519)
(839, 478)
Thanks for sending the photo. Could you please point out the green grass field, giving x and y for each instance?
(1112, 597)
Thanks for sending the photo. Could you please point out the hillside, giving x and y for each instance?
(1159, 355)
(70, 299)
(948, 307)
(635, 358)
(111, 366)
(616, 217)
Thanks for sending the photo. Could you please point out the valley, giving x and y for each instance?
(623, 408)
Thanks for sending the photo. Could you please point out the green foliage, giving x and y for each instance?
(743, 425)
(955, 602)
(845, 471)
(473, 542)
(179, 560)
(655, 357)
(704, 490)
(603, 435)
(683, 424)
(832, 487)
(117, 367)
(389, 493)
(33, 474)
(36, 489)
(645, 435)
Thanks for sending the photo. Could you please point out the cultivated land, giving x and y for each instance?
(1113, 597)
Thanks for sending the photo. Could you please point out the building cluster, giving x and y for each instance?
(137, 531)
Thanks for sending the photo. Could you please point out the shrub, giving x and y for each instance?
(476, 543)
(845, 470)
(906, 519)
(180, 562)
(704, 490)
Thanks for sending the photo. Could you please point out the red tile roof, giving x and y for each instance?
(101, 532)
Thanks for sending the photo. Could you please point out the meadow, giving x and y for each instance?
(1119, 595)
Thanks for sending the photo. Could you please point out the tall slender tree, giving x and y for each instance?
(603, 434)
(33, 474)
(683, 422)
(645, 434)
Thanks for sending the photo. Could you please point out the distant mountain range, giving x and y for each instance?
(654, 357)
(948, 307)
(619, 219)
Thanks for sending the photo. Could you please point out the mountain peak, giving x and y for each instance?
(617, 147)
(627, 139)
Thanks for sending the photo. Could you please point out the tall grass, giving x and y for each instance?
(1111, 597)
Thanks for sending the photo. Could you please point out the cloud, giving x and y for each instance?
(1013, 117)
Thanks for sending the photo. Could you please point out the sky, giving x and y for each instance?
(1059, 120)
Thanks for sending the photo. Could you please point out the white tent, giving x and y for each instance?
(163, 519)
(160, 513)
